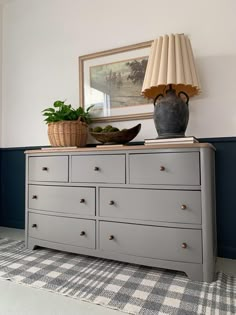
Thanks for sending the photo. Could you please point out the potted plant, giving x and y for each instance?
(67, 126)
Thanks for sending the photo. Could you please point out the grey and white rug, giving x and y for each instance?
(130, 288)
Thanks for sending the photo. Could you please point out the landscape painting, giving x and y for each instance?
(111, 81)
(120, 81)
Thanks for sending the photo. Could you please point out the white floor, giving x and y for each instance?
(16, 299)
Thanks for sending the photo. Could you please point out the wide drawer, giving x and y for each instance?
(98, 168)
(48, 168)
(71, 231)
(76, 200)
(151, 204)
(165, 168)
(151, 241)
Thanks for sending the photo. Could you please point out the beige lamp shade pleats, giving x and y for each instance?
(171, 61)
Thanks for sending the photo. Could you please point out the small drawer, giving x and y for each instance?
(76, 200)
(151, 204)
(151, 241)
(165, 168)
(48, 168)
(71, 231)
(98, 169)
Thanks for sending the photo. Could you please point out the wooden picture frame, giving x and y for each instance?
(112, 80)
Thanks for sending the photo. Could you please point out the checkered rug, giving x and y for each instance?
(129, 288)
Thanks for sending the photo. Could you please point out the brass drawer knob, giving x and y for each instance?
(34, 197)
(82, 233)
(112, 202)
(162, 168)
(82, 200)
(184, 245)
(96, 168)
(45, 168)
(34, 225)
(183, 207)
(111, 237)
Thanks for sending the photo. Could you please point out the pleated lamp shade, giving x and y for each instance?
(171, 62)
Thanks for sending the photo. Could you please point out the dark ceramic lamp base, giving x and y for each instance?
(171, 114)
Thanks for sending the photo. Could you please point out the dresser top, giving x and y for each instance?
(122, 147)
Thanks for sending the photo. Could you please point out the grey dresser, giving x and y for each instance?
(150, 205)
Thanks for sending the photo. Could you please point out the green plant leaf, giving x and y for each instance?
(49, 110)
(62, 111)
(58, 103)
(88, 109)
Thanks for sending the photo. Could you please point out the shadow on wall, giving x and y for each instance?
(213, 110)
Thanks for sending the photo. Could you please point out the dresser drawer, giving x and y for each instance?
(165, 168)
(71, 231)
(151, 241)
(76, 200)
(98, 168)
(48, 168)
(151, 204)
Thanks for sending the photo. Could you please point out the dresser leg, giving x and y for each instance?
(194, 273)
(31, 245)
(210, 277)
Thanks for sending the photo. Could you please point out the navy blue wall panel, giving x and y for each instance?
(12, 193)
(226, 195)
(12, 188)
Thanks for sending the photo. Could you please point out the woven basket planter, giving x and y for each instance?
(68, 133)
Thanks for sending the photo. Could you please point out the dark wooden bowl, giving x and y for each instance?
(118, 137)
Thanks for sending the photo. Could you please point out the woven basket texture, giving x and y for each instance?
(68, 133)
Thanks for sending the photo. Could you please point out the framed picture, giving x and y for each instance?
(112, 81)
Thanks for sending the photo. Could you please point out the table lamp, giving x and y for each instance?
(170, 79)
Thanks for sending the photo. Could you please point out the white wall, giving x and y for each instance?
(1, 17)
(42, 40)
